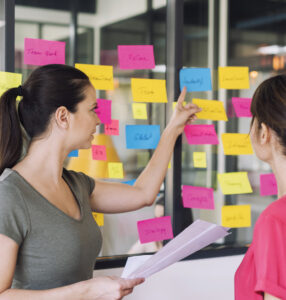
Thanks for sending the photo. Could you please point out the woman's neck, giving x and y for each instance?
(278, 165)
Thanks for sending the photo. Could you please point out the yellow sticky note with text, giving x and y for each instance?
(236, 216)
(233, 78)
(236, 144)
(200, 159)
(139, 111)
(101, 77)
(234, 183)
(99, 218)
(175, 103)
(115, 170)
(211, 110)
(149, 90)
(9, 80)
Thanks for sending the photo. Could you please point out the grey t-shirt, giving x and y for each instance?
(54, 248)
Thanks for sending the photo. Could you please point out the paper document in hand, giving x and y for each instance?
(195, 237)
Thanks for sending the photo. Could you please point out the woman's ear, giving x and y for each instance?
(264, 134)
(62, 117)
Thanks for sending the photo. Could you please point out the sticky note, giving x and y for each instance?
(101, 77)
(234, 183)
(99, 218)
(115, 170)
(196, 79)
(235, 216)
(197, 197)
(112, 129)
(156, 229)
(148, 90)
(169, 165)
(129, 182)
(242, 107)
(201, 134)
(142, 136)
(139, 111)
(236, 144)
(233, 78)
(211, 110)
(142, 159)
(103, 111)
(43, 52)
(9, 80)
(175, 103)
(98, 152)
(200, 159)
(136, 57)
(268, 185)
(73, 153)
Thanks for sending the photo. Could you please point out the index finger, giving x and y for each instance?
(182, 96)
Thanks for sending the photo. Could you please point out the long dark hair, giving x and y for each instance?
(47, 88)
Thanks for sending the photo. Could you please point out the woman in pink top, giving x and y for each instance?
(262, 273)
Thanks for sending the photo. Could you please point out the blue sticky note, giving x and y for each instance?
(129, 182)
(196, 79)
(73, 153)
(142, 136)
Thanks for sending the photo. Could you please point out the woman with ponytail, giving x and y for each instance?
(49, 240)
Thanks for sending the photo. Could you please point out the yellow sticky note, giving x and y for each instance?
(175, 103)
(200, 159)
(149, 90)
(9, 80)
(234, 183)
(101, 77)
(139, 111)
(236, 144)
(115, 170)
(142, 159)
(211, 110)
(233, 78)
(169, 165)
(235, 216)
(99, 218)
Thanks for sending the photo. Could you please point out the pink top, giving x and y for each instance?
(263, 269)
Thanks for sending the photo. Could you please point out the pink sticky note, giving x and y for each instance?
(197, 197)
(201, 135)
(136, 57)
(113, 128)
(103, 111)
(242, 106)
(42, 52)
(157, 229)
(98, 152)
(268, 185)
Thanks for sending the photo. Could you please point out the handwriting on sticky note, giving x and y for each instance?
(242, 107)
(112, 129)
(236, 144)
(136, 57)
(197, 197)
(98, 152)
(73, 153)
(234, 183)
(211, 110)
(233, 78)
(148, 90)
(43, 52)
(156, 229)
(103, 111)
(268, 185)
(9, 80)
(115, 170)
(236, 216)
(142, 136)
(196, 79)
(99, 218)
(139, 111)
(201, 134)
(200, 159)
(101, 77)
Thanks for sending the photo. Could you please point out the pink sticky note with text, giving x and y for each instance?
(156, 229)
(242, 106)
(136, 57)
(197, 197)
(103, 111)
(113, 128)
(43, 52)
(201, 134)
(98, 152)
(268, 185)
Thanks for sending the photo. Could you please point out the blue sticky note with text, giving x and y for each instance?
(142, 136)
(73, 153)
(196, 79)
